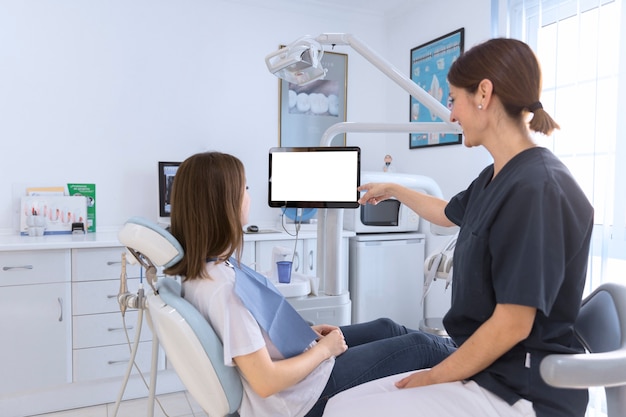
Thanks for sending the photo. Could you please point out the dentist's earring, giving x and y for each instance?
(480, 107)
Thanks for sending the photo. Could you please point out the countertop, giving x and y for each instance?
(108, 238)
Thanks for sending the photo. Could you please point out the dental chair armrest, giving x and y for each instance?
(584, 370)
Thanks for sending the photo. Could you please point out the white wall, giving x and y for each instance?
(452, 166)
(99, 91)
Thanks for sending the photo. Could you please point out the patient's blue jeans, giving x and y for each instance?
(378, 349)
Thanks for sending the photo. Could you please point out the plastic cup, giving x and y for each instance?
(284, 271)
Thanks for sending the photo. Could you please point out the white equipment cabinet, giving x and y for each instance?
(386, 277)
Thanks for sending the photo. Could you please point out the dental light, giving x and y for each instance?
(300, 63)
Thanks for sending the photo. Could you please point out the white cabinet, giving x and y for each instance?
(248, 256)
(63, 340)
(386, 277)
(36, 320)
(100, 344)
(304, 260)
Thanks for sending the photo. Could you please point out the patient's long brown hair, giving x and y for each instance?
(207, 196)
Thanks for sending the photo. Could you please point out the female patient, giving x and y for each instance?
(282, 375)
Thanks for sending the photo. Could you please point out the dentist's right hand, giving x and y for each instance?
(375, 193)
(428, 207)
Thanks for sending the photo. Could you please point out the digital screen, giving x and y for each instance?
(323, 177)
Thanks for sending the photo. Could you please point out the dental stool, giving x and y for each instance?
(601, 327)
(190, 343)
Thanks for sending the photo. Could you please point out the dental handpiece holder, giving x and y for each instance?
(124, 297)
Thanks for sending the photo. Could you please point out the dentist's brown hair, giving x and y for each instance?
(515, 73)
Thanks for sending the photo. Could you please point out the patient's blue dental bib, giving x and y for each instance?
(285, 327)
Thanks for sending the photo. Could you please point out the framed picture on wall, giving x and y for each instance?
(430, 64)
(305, 112)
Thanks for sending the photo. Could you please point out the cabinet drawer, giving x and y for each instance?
(94, 297)
(96, 330)
(34, 267)
(101, 263)
(111, 361)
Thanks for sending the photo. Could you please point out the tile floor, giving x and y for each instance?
(178, 404)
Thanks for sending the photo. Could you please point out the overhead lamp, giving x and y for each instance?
(299, 62)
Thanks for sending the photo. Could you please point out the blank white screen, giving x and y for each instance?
(325, 176)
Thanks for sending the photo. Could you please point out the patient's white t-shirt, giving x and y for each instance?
(216, 300)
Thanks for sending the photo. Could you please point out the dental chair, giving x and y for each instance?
(190, 343)
(601, 327)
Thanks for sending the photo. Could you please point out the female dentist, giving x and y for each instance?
(520, 260)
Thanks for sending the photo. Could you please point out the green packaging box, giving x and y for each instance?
(89, 191)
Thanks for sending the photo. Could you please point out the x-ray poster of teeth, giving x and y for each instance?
(430, 64)
(307, 111)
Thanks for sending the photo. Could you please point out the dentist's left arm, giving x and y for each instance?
(508, 325)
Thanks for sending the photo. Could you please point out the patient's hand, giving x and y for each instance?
(324, 329)
(334, 342)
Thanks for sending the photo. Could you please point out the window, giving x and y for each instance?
(578, 45)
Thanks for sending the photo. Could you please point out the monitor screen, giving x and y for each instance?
(167, 171)
(323, 177)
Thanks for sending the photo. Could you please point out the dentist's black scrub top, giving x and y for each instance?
(524, 239)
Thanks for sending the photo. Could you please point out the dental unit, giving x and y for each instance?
(301, 63)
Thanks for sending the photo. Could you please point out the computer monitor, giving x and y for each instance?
(167, 171)
(314, 177)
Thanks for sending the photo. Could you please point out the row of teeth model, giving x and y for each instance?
(55, 215)
(316, 103)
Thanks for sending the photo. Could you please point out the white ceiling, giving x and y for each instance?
(370, 6)
(373, 7)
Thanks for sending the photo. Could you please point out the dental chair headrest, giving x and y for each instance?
(152, 241)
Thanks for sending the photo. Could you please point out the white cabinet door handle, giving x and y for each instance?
(118, 329)
(120, 362)
(60, 300)
(11, 268)
(296, 261)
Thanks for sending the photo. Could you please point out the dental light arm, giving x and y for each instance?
(301, 62)
(408, 127)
